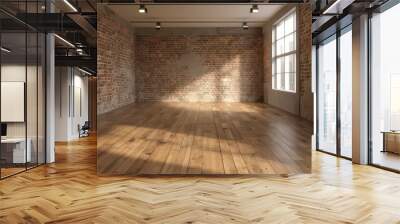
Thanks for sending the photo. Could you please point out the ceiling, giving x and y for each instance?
(83, 5)
(196, 15)
(23, 46)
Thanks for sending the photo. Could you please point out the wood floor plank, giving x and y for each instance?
(240, 164)
(202, 138)
(196, 154)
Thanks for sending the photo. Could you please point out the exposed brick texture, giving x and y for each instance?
(194, 65)
(115, 61)
(305, 51)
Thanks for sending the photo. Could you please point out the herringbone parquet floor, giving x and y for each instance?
(71, 192)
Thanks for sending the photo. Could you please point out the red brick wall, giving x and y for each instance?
(305, 51)
(115, 61)
(199, 65)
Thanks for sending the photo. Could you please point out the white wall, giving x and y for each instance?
(69, 82)
(17, 73)
(80, 83)
(62, 81)
(14, 72)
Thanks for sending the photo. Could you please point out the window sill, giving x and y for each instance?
(285, 91)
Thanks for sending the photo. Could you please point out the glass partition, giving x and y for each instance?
(334, 94)
(31, 98)
(13, 94)
(326, 97)
(346, 93)
(385, 89)
(22, 88)
(41, 97)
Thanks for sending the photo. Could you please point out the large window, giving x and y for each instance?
(327, 110)
(346, 108)
(284, 54)
(385, 89)
(334, 93)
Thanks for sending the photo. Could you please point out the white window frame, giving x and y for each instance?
(282, 56)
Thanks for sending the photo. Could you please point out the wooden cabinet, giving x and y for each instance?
(391, 142)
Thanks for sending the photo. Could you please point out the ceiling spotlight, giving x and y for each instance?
(158, 26)
(142, 9)
(245, 26)
(254, 9)
(5, 50)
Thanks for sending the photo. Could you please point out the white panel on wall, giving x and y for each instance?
(12, 101)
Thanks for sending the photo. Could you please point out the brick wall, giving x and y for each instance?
(115, 61)
(199, 65)
(305, 51)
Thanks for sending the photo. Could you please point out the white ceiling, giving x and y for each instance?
(196, 15)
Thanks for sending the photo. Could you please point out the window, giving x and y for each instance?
(327, 114)
(345, 94)
(385, 89)
(334, 93)
(284, 54)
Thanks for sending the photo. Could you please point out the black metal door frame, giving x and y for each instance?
(44, 75)
(338, 34)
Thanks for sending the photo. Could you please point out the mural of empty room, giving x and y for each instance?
(192, 89)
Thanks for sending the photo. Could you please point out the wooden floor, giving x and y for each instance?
(202, 138)
(387, 159)
(9, 171)
(5, 172)
(69, 191)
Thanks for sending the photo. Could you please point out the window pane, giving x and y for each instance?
(31, 101)
(283, 79)
(289, 24)
(287, 81)
(284, 67)
(278, 81)
(292, 82)
(327, 97)
(280, 47)
(290, 63)
(13, 86)
(280, 65)
(280, 30)
(346, 94)
(290, 43)
(385, 88)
